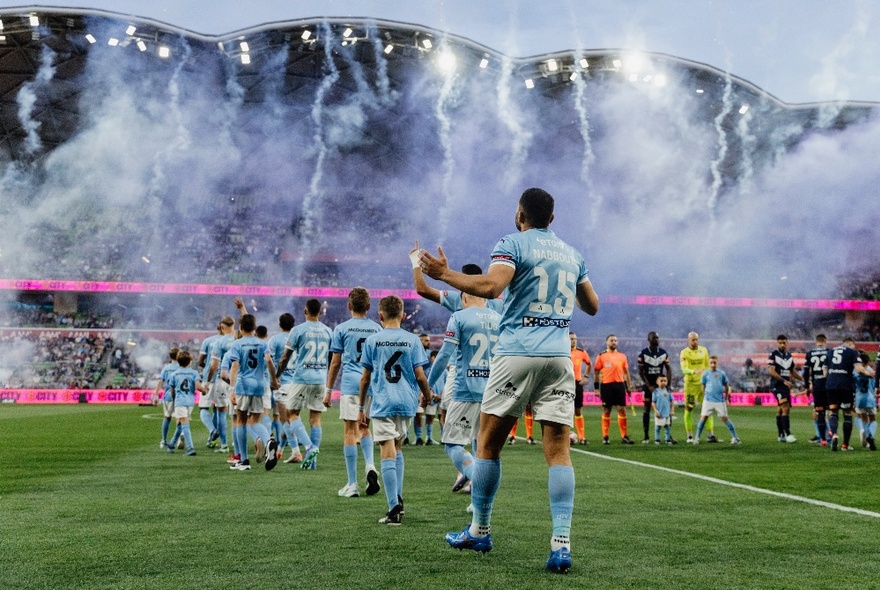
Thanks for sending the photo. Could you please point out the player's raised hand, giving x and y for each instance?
(433, 266)
(414, 256)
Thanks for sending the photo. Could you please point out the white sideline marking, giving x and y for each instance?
(737, 485)
(152, 416)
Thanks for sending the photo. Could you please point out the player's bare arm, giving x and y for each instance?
(487, 286)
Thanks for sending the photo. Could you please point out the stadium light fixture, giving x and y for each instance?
(530, 83)
(633, 77)
(164, 51)
(584, 63)
(145, 259)
(245, 58)
(307, 34)
(573, 76)
(617, 63)
(244, 46)
(130, 30)
(484, 63)
(635, 62)
(660, 80)
(113, 42)
(389, 48)
(743, 109)
(552, 65)
(347, 32)
(700, 91)
(141, 45)
(447, 61)
(91, 38)
(426, 43)
(35, 20)
(1, 24)
(647, 78)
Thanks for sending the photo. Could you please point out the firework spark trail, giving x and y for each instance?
(27, 99)
(726, 107)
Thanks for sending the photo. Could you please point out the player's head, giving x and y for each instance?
(471, 269)
(173, 352)
(611, 342)
(821, 339)
(359, 300)
(262, 332)
(226, 325)
(535, 209)
(433, 355)
(849, 342)
(248, 323)
(863, 356)
(693, 340)
(653, 338)
(425, 340)
(573, 339)
(313, 308)
(391, 307)
(713, 362)
(286, 322)
(662, 381)
(184, 358)
(782, 341)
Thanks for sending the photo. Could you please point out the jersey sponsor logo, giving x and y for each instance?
(392, 343)
(502, 257)
(532, 322)
(367, 330)
(483, 373)
(508, 391)
(450, 333)
(567, 395)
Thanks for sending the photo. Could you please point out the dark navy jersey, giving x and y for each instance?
(840, 362)
(783, 362)
(813, 364)
(653, 363)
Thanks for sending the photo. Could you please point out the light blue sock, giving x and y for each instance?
(241, 442)
(418, 430)
(429, 431)
(299, 431)
(175, 437)
(668, 430)
(561, 484)
(731, 428)
(399, 473)
(315, 433)
(166, 424)
(187, 436)
(350, 452)
(276, 430)
(266, 421)
(291, 437)
(816, 426)
(222, 426)
(207, 419)
(656, 432)
(700, 427)
(463, 461)
(215, 419)
(872, 428)
(389, 478)
(484, 486)
(367, 450)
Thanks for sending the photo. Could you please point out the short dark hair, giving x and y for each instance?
(821, 338)
(172, 354)
(471, 269)
(286, 321)
(248, 323)
(313, 307)
(782, 337)
(537, 206)
(391, 307)
(359, 299)
(262, 331)
(184, 358)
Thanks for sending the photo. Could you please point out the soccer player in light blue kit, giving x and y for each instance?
(545, 278)
(716, 389)
(277, 344)
(471, 334)
(310, 342)
(164, 385)
(184, 383)
(218, 381)
(393, 361)
(345, 353)
(251, 364)
(664, 409)
(208, 412)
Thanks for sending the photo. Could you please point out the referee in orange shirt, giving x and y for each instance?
(613, 383)
(581, 363)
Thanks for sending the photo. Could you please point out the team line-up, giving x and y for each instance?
(501, 359)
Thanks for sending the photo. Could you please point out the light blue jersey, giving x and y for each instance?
(451, 300)
(250, 354)
(541, 294)
(277, 343)
(392, 356)
(474, 333)
(165, 377)
(663, 400)
(219, 348)
(184, 381)
(207, 349)
(348, 340)
(716, 384)
(864, 391)
(310, 341)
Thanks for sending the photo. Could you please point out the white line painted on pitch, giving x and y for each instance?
(737, 485)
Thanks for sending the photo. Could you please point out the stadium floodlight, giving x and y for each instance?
(660, 80)
(145, 259)
(617, 63)
(426, 43)
(635, 62)
(1, 24)
(245, 58)
(447, 61)
(743, 109)
(244, 46)
(91, 38)
(700, 91)
(347, 32)
(306, 35)
(552, 65)
(389, 48)
(164, 51)
(647, 78)
(130, 30)
(484, 63)
(35, 20)
(141, 45)
(633, 77)
(573, 76)
(584, 63)
(530, 83)
(113, 42)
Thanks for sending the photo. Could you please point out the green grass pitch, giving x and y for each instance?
(87, 500)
